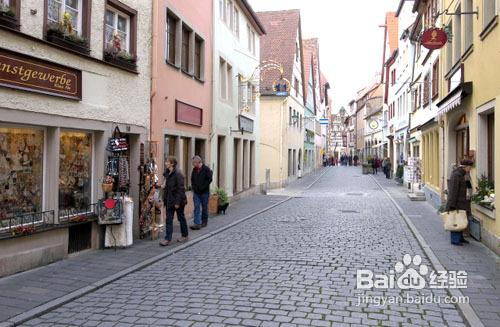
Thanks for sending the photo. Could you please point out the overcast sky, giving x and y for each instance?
(350, 41)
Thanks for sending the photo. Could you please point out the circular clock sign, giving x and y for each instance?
(374, 124)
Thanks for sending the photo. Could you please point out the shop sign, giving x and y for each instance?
(434, 38)
(245, 124)
(188, 114)
(282, 87)
(28, 73)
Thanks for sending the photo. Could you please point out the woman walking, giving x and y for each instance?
(459, 195)
(175, 200)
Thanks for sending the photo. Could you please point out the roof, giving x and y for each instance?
(254, 20)
(279, 44)
(324, 83)
(391, 21)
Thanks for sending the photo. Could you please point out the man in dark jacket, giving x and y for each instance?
(174, 200)
(459, 190)
(201, 177)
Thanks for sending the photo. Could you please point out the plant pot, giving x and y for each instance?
(8, 21)
(68, 44)
(213, 204)
(106, 188)
(130, 65)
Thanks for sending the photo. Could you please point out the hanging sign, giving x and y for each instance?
(434, 38)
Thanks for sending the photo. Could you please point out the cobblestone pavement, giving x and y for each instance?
(480, 263)
(294, 265)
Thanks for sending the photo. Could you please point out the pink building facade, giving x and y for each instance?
(181, 95)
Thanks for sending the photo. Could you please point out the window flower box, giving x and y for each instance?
(8, 19)
(129, 63)
(68, 41)
(488, 212)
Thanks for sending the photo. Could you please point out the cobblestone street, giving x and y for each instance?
(294, 265)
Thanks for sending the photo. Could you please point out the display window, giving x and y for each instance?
(75, 173)
(21, 171)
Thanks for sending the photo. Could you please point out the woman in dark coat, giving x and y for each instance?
(459, 192)
(174, 200)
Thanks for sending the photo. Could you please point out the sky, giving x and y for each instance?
(350, 39)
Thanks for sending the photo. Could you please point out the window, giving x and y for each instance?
(296, 86)
(491, 147)
(198, 46)
(289, 115)
(245, 97)
(419, 96)
(117, 23)
(171, 38)
(229, 13)
(56, 9)
(222, 10)
(236, 23)
(21, 171)
(427, 83)
(468, 28)
(185, 49)
(435, 79)
(449, 50)
(393, 77)
(489, 11)
(229, 83)
(251, 39)
(223, 79)
(457, 38)
(75, 175)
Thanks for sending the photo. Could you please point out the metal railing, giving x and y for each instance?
(26, 223)
(75, 215)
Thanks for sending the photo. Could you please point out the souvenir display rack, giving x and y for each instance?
(150, 208)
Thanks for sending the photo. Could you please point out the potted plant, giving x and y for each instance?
(485, 193)
(115, 54)
(213, 202)
(399, 174)
(63, 34)
(222, 201)
(8, 16)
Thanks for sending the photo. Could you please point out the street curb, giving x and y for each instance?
(51, 305)
(466, 309)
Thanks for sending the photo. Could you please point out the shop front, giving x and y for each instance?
(52, 166)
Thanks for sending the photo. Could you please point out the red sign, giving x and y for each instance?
(28, 73)
(434, 38)
(188, 114)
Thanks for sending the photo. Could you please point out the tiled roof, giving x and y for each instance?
(278, 44)
(391, 22)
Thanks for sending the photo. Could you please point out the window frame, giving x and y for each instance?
(435, 79)
(132, 14)
(118, 13)
(185, 56)
(17, 10)
(494, 15)
(426, 92)
(62, 11)
(171, 17)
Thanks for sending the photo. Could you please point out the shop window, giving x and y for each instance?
(75, 173)
(21, 171)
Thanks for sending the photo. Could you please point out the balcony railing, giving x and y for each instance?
(76, 215)
(24, 224)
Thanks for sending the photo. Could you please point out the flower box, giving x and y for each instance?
(65, 42)
(118, 61)
(484, 210)
(8, 21)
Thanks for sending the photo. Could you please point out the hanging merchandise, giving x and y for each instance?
(123, 173)
(117, 143)
(150, 211)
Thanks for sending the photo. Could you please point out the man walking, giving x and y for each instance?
(201, 177)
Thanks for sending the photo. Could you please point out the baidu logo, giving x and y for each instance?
(408, 274)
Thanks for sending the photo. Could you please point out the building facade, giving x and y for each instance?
(282, 114)
(181, 96)
(234, 139)
(60, 102)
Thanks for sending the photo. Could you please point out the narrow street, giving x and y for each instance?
(294, 265)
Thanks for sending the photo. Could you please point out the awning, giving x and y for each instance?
(428, 123)
(454, 98)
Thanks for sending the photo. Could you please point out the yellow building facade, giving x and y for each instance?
(471, 90)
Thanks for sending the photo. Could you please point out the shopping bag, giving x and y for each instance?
(455, 220)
